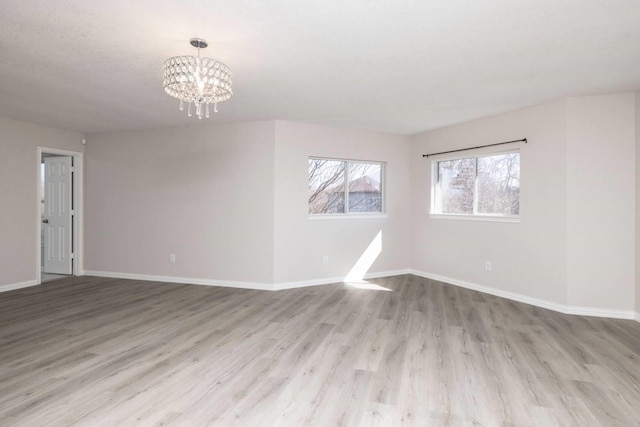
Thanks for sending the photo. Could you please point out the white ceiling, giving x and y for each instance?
(394, 66)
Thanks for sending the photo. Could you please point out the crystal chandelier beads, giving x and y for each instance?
(198, 81)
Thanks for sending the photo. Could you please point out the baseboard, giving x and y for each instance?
(185, 280)
(599, 312)
(388, 273)
(307, 283)
(242, 285)
(14, 286)
(339, 279)
(582, 311)
(566, 309)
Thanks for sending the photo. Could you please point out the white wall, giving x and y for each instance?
(204, 194)
(300, 242)
(19, 194)
(231, 201)
(637, 209)
(152, 193)
(575, 244)
(528, 258)
(601, 201)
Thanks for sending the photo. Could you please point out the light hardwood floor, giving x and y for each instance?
(95, 351)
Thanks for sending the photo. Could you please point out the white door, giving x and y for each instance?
(57, 215)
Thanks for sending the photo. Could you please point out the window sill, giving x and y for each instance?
(349, 216)
(486, 218)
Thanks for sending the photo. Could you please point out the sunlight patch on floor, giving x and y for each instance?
(367, 285)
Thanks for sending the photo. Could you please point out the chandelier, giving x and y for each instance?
(198, 81)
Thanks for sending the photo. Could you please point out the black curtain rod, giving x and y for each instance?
(479, 146)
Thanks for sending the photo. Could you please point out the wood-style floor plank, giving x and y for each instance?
(92, 351)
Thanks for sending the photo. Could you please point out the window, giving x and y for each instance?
(344, 187)
(478, 186)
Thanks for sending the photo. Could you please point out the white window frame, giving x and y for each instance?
(435, 210)
(347, 214)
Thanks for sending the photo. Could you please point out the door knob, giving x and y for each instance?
(45, 221)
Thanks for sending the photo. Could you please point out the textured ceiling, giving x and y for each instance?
(393, 66)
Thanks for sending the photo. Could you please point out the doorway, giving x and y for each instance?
(59, 219)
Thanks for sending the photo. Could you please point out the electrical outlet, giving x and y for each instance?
(172, 258)
(487, 265)
(325, 259)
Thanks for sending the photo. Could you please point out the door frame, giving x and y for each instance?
(78, 211)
